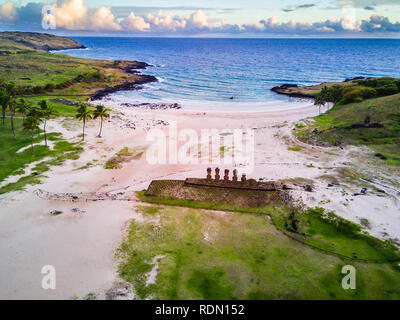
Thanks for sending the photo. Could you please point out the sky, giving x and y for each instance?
(240, 18)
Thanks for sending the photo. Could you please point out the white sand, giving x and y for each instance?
(81, 244)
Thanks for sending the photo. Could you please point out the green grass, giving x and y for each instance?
(223, 206)
(209, 255)
(13, 163)
(334, 127)
(294, 148)
(124, 155)
(323, 230)
(333, 234)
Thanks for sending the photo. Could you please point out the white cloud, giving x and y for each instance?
(166, 21)
(134, 23)
(75, 15)
(8, 12)
(198, 19)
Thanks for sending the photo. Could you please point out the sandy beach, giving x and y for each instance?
(81, 242)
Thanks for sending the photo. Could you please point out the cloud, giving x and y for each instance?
(76, 15)
(366, 3)
(134, 23)
(302, 6)
(198, 19)
(165, 21)
(8, 12)
(378, 23)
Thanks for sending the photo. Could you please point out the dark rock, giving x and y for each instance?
(333, 184)
(308, 188)
(128, 86)
(283, 90)
(356, 78)
(361, 193)
(153, 106)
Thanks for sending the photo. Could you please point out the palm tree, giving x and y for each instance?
(84, 114)
(47, 113)
(30, 124)
(101, 112)
(36, 112)
(4, 101)
(319, 101)
(11, 88)
(12, 104)
(23, 108)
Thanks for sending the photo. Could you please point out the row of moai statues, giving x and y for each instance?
(226, 175)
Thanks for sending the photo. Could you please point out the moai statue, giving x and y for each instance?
(235, 177)
(226, 176)
(243, 177)
(216, 174)
(209, 174)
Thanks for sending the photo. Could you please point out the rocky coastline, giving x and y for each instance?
(286, 89)
(152, 106)
(130, 67)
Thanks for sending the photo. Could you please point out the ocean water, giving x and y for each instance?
(205, 73)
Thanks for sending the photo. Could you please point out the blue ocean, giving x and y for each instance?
(197, 71)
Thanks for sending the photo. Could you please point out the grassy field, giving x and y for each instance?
(39, 75)
(336, 127)
(204, 254)
(14, 162)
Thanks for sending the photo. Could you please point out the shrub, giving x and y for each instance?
(368, 93)
(387, 90)
(397, 82)
(336, 93)
(37, 89)
(49, 87)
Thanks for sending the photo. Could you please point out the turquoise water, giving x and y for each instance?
(210, 71)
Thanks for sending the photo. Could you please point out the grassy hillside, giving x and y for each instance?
(372, 122)
(40, 75)
(16, 41)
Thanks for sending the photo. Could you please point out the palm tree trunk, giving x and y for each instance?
(32, 141)
(101, 126)
(45, 135)
(83, 138)
(12, 124)
(3, 115)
